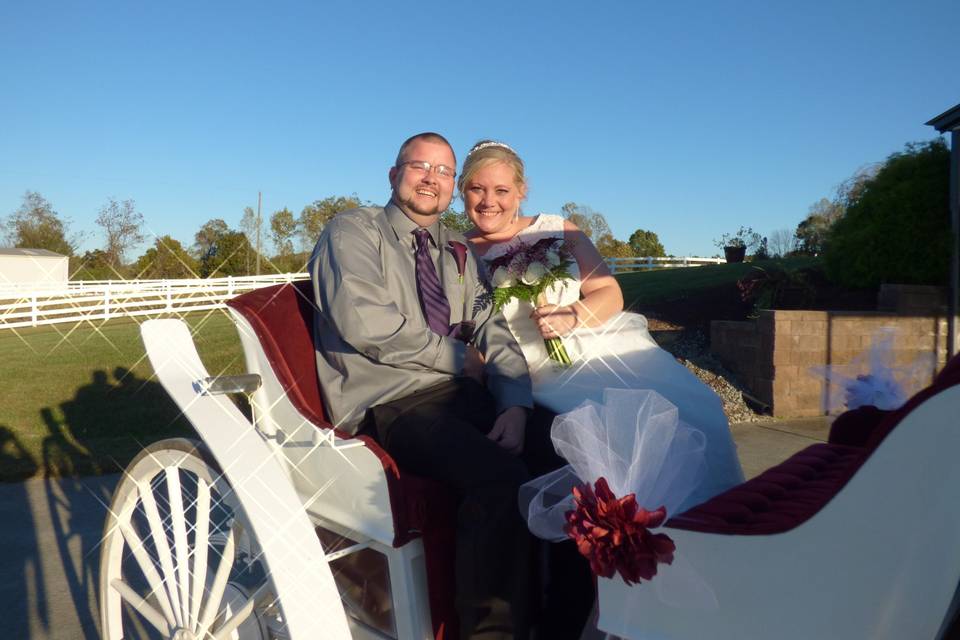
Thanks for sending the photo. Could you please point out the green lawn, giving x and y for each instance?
(661, 285)
(79, 399)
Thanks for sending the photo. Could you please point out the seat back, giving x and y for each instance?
(282, 317)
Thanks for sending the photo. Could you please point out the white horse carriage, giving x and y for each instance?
(281, 527)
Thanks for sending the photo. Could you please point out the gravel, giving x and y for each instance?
(690, 348)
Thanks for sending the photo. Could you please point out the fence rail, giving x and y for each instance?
(86, 301)
(622, 265)
(32, 305)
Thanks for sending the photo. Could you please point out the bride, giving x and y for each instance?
(609, 348)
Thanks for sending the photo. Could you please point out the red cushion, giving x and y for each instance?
(792, 492)
(282, 318)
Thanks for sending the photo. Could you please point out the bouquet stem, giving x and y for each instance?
(557, 351)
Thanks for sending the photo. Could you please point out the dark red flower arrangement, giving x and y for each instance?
(614, 533)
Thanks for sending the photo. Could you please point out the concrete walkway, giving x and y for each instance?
(50, 532)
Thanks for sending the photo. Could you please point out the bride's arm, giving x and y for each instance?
(600, 293)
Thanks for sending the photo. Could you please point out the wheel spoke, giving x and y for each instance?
(163, 547)
(149, 570)
(143, 607)
(200, 542)
(215, 596)
(235, 621)
(181, 549)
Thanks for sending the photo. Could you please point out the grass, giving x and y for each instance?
(663, 285)
(79, 399)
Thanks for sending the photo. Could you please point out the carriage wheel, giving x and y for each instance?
(177, 560)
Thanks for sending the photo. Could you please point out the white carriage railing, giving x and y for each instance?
(86, 301)
(620, 265)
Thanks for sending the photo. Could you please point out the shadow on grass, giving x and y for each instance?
(106, 423)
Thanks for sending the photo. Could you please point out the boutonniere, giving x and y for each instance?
(459, 251)
(464, 329)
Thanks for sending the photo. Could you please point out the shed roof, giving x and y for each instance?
(949, 120)
(33, 253)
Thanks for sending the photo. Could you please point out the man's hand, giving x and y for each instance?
(509, 429)
(473, 364)
(554, 321)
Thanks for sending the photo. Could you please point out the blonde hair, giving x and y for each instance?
(488, 152)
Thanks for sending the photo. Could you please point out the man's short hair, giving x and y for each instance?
(429, 136)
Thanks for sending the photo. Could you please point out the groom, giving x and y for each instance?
(411, 352)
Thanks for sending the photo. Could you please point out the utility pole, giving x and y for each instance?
(259, 202)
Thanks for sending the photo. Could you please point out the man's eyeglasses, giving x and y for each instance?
(422, 167)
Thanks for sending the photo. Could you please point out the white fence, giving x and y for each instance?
(622, 265)
(86, 301)
(30, 305)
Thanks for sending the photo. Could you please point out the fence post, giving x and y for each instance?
(685, 261)
(106, 302)
(649, 262)
(169, 296)
(230, 286)
(33, 309)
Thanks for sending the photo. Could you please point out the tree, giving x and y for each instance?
(592, 223)
(782, 243)
(283, 227)
(646, 243)
(897, 227)
(166, 259)
(610, 247)
(250, 225)
(94, 265)
(121, 224)
(811, 233)
(315, 216)
(35, 225)
(228, 256)
(208, 237)
(456, 220)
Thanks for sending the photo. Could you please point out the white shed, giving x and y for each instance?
(33, 266)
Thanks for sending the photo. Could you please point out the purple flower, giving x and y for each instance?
(460, 253)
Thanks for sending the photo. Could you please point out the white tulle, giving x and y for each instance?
(636, 440)
(873, 378)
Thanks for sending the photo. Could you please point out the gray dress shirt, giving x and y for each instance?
(372, 340)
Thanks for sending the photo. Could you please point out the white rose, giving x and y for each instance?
(533, 273)
(501, 278)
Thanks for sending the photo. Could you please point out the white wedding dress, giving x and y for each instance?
(618, 355)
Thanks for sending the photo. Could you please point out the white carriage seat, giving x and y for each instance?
(282, 319)
(858, 537)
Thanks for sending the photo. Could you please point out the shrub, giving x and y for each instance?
(897, 229)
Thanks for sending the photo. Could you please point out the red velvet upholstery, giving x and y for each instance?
(792, 492)
(282, 317)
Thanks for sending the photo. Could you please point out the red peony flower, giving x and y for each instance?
(613, 533)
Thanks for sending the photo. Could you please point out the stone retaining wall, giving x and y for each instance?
(772, 355)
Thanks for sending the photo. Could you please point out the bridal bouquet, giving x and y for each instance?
(525, 272)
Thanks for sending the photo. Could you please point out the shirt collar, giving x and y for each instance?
(404, 226)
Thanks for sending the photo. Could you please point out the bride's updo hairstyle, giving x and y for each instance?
(488, 152)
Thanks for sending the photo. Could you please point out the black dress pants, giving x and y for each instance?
(440, 433)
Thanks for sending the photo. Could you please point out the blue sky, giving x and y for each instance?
(689, 120)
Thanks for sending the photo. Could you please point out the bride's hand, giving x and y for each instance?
(554, 321)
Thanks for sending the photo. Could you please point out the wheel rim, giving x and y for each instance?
(172, 545)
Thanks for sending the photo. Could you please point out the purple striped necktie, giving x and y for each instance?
(433, 301)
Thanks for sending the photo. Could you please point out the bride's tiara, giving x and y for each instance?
(491, 143)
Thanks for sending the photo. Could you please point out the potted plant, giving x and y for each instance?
(735, 245)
